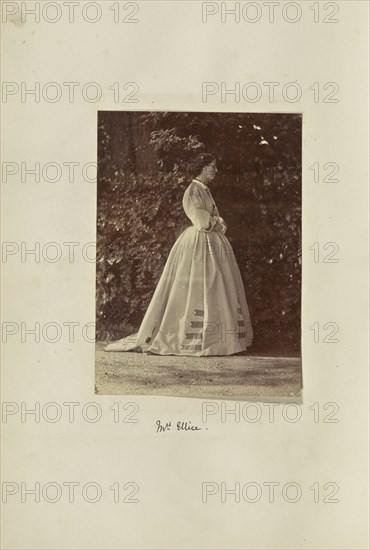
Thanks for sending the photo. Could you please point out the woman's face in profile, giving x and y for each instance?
(210, 171)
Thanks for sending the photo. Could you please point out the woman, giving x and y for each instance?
(199, 306)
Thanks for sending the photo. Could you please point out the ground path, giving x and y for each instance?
(239, 376)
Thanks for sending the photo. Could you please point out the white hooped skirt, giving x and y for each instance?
(199, 306)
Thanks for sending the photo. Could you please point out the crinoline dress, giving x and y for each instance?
(199, 306)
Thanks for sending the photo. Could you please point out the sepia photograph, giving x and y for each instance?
(198, 280)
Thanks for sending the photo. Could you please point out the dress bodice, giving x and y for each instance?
(199, 206)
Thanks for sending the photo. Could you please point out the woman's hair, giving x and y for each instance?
(200, 162)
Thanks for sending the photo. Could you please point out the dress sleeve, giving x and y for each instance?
(194, 209)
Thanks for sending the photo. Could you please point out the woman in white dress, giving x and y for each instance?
(199, 306)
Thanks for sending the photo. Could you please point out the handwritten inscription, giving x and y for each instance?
(180, 426)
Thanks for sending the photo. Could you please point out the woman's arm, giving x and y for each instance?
(194, 209)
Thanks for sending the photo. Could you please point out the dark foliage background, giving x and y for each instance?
(144, 167)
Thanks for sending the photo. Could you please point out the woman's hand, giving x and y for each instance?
(220, 226)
